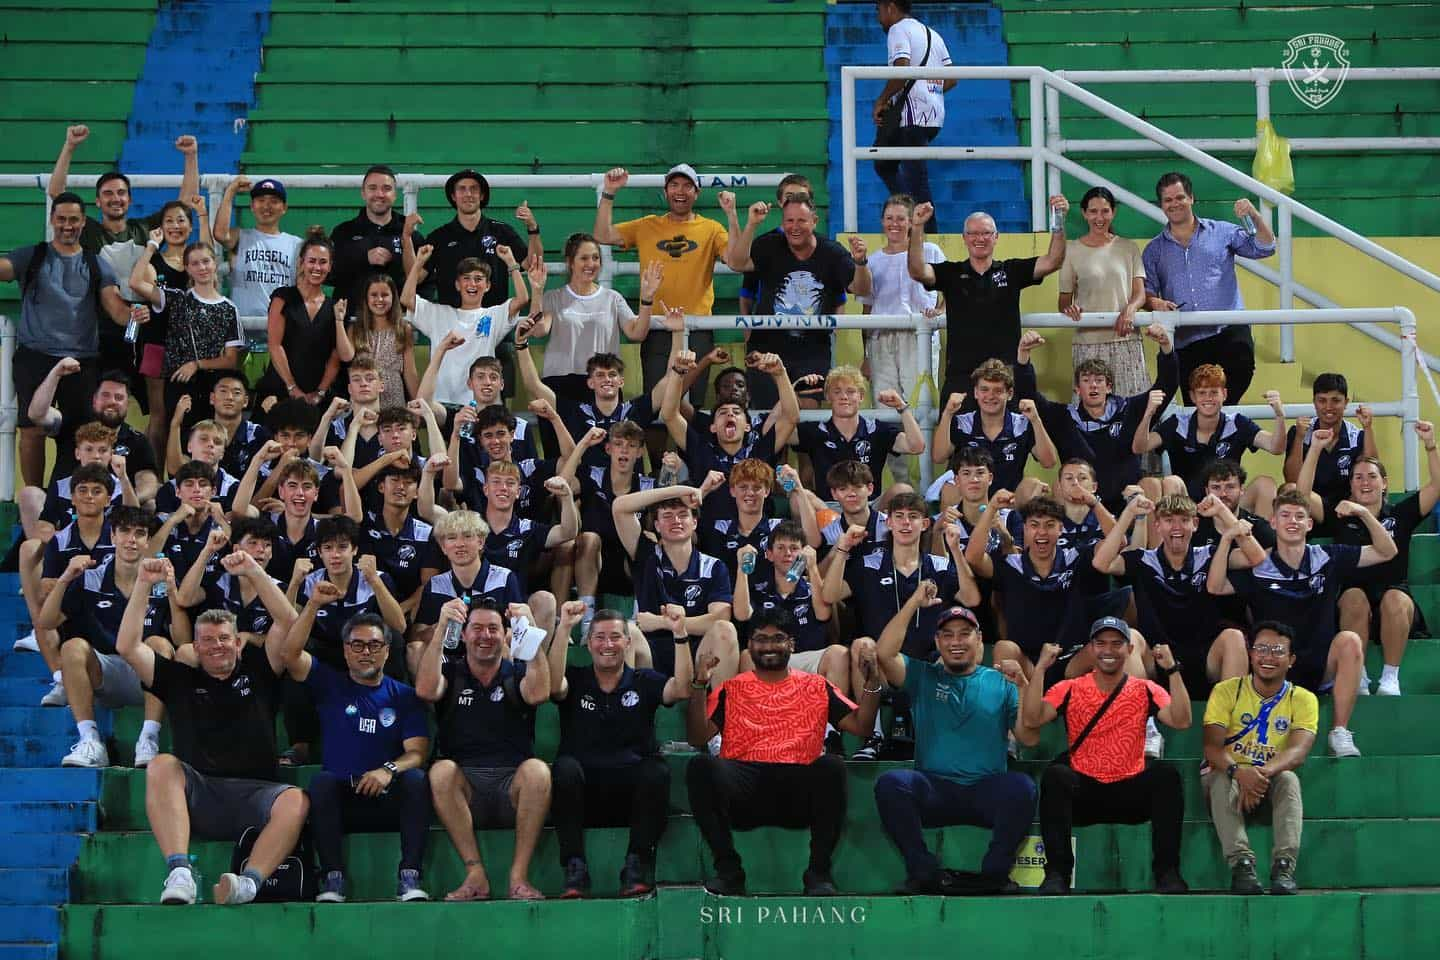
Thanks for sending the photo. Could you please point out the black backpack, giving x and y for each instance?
(294, 879)
(37, 260)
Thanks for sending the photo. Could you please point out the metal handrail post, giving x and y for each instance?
(1410, 397)
(924, 408)
(1037, 161)
(9, 409)
(1285, 249)
(1052, 142)
(848, 164)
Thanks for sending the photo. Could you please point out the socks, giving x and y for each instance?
(177, 860)
(57, 678)
(879, 730)
(88, 729)
(150, 729)
(1389, 674)
(253, 874)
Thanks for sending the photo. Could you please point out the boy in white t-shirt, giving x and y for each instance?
(482, 327)
(263, 257)
(909, 43)
(890, 359)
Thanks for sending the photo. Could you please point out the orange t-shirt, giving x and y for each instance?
(781, 722)
(1115, 749)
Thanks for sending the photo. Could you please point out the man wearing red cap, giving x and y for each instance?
(962, 712)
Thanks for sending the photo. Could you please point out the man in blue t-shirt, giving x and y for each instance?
(376, 741)
(963, 713)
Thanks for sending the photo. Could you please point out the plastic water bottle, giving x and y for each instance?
(1248, 222)
(159, 591)
(132, 329)
(787, 483)
(1057, 220)
(198, 877)
(450, 639)
(747, 564)
(797, 569)
(467, 429)
(668, 476)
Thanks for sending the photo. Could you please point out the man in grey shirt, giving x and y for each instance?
(65, 291)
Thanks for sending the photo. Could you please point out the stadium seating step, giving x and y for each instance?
(55, 783)
(32, 885)
(34, 751)
(39, 849)
(43, 816)
(30, 922)
(29, 951)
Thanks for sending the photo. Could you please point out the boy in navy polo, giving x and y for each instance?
(1011, 436)
(1344, 446)
(397, 537)
(849, 436)
(461, 536)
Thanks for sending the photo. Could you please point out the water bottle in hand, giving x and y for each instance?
(450, 639)
(467, 429)
(132, 329)
(159, 591)
(668, 476)
(797, 569)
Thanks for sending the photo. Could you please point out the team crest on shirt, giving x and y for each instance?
(1009, 450)
(497, 694)
(692, 592)
(103, 605)
(999, 278)
(1282, 724)
(1342, 462)
(406, 552)
(630, 699)
(862, 449)
(261, 622)
(351, 710)
(587, 702)
(387, 717)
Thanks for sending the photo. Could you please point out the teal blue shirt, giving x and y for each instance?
(960, 722)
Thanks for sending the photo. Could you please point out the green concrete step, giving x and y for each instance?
(681, 922)
(1033, 26)
(1334, 789)
(61, 100)
(30, 25)
(125, 867)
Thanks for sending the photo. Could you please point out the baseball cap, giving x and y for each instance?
(1110, 623)
(269, 185)
(683, 170)
(467, 174)
(955, 613)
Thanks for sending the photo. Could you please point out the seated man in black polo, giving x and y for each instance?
(772, 768)
(220, 778)
(609, 772)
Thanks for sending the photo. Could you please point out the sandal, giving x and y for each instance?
(524, 891)
(467, 892)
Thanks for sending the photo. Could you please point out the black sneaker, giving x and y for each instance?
(635, 877)
(727, 885)
(1242, 878)
(870, 750)
(835, 744)
(577, 879)
(965, 883)
(926, 886)
(1282, 877)
(1054, 885)
(1171, 882)
(819, 884)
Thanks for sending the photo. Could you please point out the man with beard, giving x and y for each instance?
(485, 707)
(109, 404)
(370, 243)
(1105, 778)
(772, 768)
(963, 712)
(609, 771)
(376, 743)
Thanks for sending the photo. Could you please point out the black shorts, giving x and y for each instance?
(614, 571)
(72, 396)
(222, 808)
(1375, 592)
(490, 804)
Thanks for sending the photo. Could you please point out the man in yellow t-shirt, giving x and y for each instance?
(1258, 730)
(686, 245)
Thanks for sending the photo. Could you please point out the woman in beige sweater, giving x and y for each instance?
(1102, 273)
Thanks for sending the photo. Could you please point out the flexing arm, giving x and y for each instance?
(142, 276)
(1382, 545)
(920, 268)
(1034, 711)
(74, 136)
(1273, 440)
(221, 227)
(1044, 450)
(1106, 558)
(626, 506)
(605, 230)
(40, 411)
(130, 638)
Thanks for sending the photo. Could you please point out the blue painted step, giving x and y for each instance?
(46, 886)
(46, 722)
(29, 951)
(23, 691)
(55, 783)
(18, 663)
(39, 849)
(30, 923)
(35, 751)
(38, 816)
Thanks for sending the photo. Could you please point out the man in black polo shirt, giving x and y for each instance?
(982, 295)
(609, 772)
(220, 779)
(485, 707)
(370, 243)
(109, 404)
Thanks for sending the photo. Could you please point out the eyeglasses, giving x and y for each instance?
(979, 236)
(366, 646)
(769, 638)
(1272, 649)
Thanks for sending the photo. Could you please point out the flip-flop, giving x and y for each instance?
(467, 892)
(524, 891)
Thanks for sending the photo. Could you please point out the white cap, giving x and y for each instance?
(686, 171)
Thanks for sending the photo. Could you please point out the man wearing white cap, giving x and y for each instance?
(686, 245)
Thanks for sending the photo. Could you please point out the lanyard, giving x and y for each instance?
(1261, 721)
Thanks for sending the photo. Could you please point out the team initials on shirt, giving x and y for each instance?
(367, 724)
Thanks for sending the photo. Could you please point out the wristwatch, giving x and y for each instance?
(1230, 770)
(390, 765)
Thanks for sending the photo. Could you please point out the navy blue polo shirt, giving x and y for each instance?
(826, 445)
(60, 505)
(485, 726)
(532, 500)
(244, 445)
(167, 498)
(94, 606)
(1333, 469)
(518, 546)
(495, 582)
(703, 581)
(614, 729)
(580, 419)
(1304, 596)
(363, 726)
(878, 590)
(1010, 448)
(284, 552)
(1173, 604)
(800, 602)
(597, 497)
(1234, 435)
(325, 636)
(67, 544)
(721, 537)
(1043, 609)
(401, 555)
(222, 591)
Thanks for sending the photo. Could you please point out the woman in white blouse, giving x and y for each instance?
(1103, 274)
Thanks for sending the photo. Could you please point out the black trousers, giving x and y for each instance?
(336, 809)
(636, 796)
(1233, 349)
(1069, 798)
(738, 795)
(910, 176)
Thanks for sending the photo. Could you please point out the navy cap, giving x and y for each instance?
(956, 613)
(1110, 623)
(269, 185)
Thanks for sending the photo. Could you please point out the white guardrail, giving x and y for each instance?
(1045, 153)
(1406, 408)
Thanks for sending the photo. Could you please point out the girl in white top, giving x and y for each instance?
(1102, 273)
(890, 359)
(584, 318)
(263, 258)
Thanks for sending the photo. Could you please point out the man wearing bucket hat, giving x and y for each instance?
(686, 244)
(962, 712)
(1103, 777)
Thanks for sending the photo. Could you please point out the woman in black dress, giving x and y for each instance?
(302, 331)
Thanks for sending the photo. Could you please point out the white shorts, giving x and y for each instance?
(807, 661)
(119, 684)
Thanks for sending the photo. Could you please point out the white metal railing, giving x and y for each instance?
(1047, 162)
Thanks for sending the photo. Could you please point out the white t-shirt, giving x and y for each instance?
(483, 329)
(122, 258)
(581, 327)
(925, 107)
(263, 264)
(893, 290)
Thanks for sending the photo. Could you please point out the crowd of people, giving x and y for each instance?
(376, 549)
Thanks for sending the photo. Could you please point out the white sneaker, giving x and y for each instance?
(179, 887)
(1342, 743)
(28, 643)
(91, 752)
(1154, 740)
(1389, 688)
(714, 745)
(1364, 688)
(145, 750)
(56, 696)
(234, 889)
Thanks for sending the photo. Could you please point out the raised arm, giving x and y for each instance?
(223, 213)
(1034, 711)
(892, 638)
(835, 588)
(1051, 260)
(525, 363)
(1146, 439)
(1430, 493)
(245, 489)
(920, 268)
(429, 675)
(130, 638)
(40, 411)
(639, 328)
(626, 506)
(912, 438)
(675, 421)
(941, 446)
(1295, 451)
(142, 276)
(1382, 545)
(191, 592)
(786, 403)
(1176, 714)
(60, 174)
(1044, 450)
(604, 230)
(977, 551)
(1273, 439)
(1309, 462)
(413, 277)
(737, 250)
(1106, 558)
(572, 612)
(535, 685)
(569, 527)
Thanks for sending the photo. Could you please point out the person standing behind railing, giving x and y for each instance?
(909, 113)
(1190, 265)
(264, 258)
(1103, 273)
